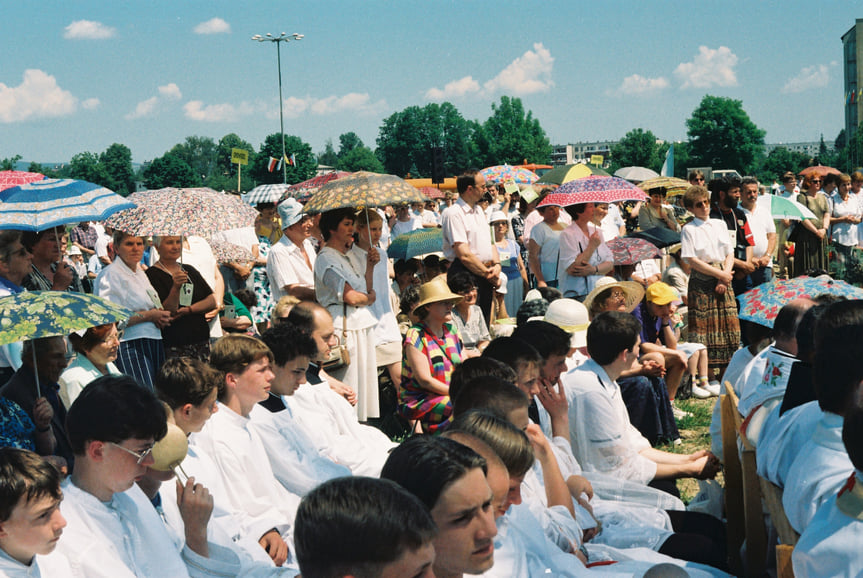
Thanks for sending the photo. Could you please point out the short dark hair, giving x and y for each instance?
(8, 238)
(23, 474)
(787, 320)
(490, 393)
(30, 238)
(528, 309)
(512, 351)
(91, 338)
(852, 436)
(575, 211)
(837, 371)
(233, 353)
(356, 525)
(409, 298)
(748, 181)
(330, 220)
(183, 380)
(611, 333)
(805, 334)
(507, 441)
(550, 294)
(114, 408)
(402, 266)
(475, 367)
(426, 465)
(547, 338)
(465, 180)
(287, 342)
(461, 282)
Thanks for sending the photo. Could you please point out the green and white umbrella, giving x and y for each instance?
(784, 208)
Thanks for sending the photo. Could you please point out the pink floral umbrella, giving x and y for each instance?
(631, 250)
(303, 191)
(593, 189)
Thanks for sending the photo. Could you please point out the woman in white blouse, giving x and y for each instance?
(844, 220)
(125, 283)
(584, 256)
(705, 245)
(347, 295)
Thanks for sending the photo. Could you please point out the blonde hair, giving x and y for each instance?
(282, 307)
(366, 217)
(694, 194)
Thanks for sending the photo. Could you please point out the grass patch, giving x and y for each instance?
(694, 435)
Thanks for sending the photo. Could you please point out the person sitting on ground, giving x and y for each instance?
(467, 316)
(97, 349)
(30, 520)
(830, 545)
(603, 439)
(450, 480)
(113, 529)
(238, 451)
(294, 458)
(364, 527)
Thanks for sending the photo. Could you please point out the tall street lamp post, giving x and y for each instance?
(277, 40)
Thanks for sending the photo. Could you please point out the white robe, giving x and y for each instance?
(126, 537)
(295, 460)
(331, 423)
(246, 475)
(830, 546)
(738, 363)
(819, 470)
(603, 439)
(765, 378)
(781, 439)
(48, 566)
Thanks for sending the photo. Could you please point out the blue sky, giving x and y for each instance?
(78, 76)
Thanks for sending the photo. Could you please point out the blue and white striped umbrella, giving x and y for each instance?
(50, 203)
(265, 194)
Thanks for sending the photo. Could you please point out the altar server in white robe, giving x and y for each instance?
(113, 530)
(295, 459)
(30, 520)
(237, 449)
(823, 465)
(830, 546)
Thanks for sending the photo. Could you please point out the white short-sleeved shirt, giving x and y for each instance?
(611, 223)
(119, 284)
(461, 224)
(535, 217)
(845, 233)
(287, 266)
(705, 240)
(573, 242)
(761, 224)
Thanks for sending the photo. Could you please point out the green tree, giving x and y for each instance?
(348, 142)
(305, 168)
(224, 177)
(199, 152)
(328, 156)
(8, 164)
(170, 170)
(722, 136)
(406, 139)
(117, 162)
(86, 166)
(779, 161)
(37, 168)
(511, 135)
(637, 148)
(361, 158)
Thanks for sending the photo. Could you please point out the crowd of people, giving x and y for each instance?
(228, 427)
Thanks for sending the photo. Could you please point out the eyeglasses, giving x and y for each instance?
(813, 181)
(700, 205)
(141, 457)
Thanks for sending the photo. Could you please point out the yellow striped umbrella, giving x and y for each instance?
(673, 186)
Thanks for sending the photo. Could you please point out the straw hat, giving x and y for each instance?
(633, 291)
(436, 291)
(571, 316)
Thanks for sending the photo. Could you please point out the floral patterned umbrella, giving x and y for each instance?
(225, 252)
(632, 250)
(265, 194)
(303, 191)
(14, 178)
(416, 243)
(363, 189)
(593, 189)
(48, 203)
(673, 186)
(761, 304)
(509, 174)
(195, 211)
(566, 173)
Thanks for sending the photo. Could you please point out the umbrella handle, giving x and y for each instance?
(36, 373)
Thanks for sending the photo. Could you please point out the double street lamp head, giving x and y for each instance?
(283, 37)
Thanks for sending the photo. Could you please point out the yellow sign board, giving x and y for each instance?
(597, 160)
(240, 156)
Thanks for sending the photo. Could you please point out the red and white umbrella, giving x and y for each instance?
(9, 179)
(593, 189)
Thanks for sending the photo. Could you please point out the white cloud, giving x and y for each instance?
(90, 104)
(38, 96)
(89, 29)
(351, 102)
(527, 74)
(454, 89)
(170, 91)
(197, 110)
(808, 78)
(639, 85)
(213, 26)
(709, 68)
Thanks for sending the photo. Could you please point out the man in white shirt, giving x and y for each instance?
(238, 450)
(113, 529)
(467, 242)
(291, 261)
(404, 222)
(763, 232)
